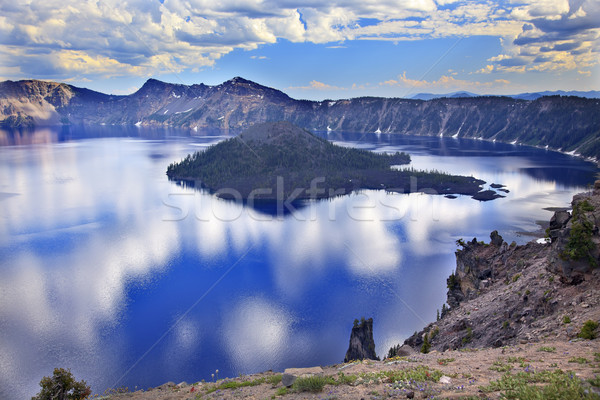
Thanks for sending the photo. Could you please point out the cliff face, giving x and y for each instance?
(362, 345)
(565, 123)
(506, 294)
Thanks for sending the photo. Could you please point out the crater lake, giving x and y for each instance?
(130, 280)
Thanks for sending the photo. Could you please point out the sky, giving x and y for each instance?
(311, 49)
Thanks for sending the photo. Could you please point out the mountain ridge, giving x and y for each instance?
(568, 124)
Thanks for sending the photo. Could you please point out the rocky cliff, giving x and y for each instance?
(362, 345)
(503, 294)
(562, 123)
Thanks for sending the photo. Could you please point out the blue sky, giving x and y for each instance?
(310, 49)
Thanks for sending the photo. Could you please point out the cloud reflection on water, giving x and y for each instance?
(94, 219)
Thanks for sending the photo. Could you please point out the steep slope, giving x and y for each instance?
(570, 124)
(504, 294)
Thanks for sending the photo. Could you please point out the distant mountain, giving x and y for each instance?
(431, 96)
(570, 124)
(592, 94)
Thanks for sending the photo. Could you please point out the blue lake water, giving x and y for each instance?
(109, 269)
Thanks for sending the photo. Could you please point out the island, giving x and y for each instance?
(277, 161)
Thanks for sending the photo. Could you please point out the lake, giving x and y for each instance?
(130, 280)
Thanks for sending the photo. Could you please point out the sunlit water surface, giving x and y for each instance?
(130, 280)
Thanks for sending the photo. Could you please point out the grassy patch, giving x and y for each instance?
(500, 366)
(282, 391)
(420, 373)
(343, 379)
(274, 379)
(312, 384)
(579, 360)
(547, 349)
(445, 361)
(513, 360)
(554, 385)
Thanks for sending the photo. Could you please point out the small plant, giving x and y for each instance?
(312, 384)
(274, 379)
(527, 292)
(516, 277)
(452, 281)
(513, 360)
(566, 319)
(551, 278)
(346, 379)
(547, 349)
(579, 360)
(468, 337)
(434, 333)
(426, 345)
(282, 391)
(500, 366)
(588, 330)
(62, 386)
(505, 325)
(445, 361)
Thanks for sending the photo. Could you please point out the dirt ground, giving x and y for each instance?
(465, 372)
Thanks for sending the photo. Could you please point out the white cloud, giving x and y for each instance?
(69, 39)
(444, 82)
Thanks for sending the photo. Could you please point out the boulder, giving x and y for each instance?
(496, 239)
(291, 374)
(559, 220)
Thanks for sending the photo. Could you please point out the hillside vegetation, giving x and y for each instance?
(281, 161)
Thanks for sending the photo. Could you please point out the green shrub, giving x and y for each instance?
(312, 384)
(282, 391)
(566, 319)
(426, 345)
(580, 245)
(452, 281)
(468, 337)
(547, 349)
(588, 330)
(62, 386)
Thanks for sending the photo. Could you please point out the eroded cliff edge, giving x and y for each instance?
(505, 294)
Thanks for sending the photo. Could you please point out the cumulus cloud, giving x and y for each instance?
(316, 85)
(444, 82)
(566, 32)
(68, 38)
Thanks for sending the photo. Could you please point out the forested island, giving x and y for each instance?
(280, 161)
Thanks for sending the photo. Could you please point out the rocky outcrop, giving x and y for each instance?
(239, 103)
(575, 238)
(504, 294)
(362, 345)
